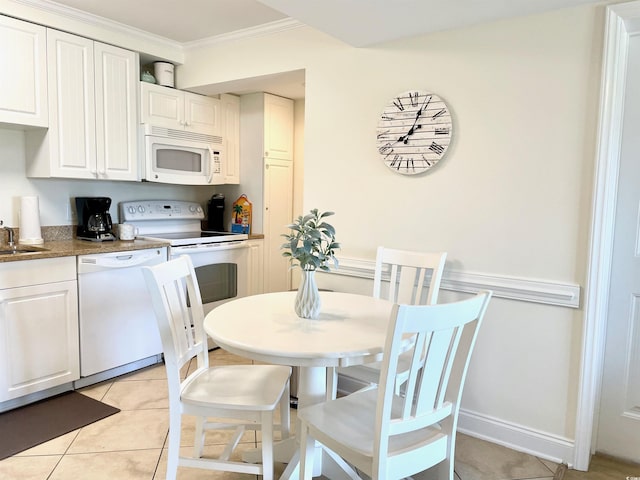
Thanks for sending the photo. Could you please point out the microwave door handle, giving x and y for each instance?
(210, 177)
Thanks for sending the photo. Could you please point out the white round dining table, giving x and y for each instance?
(350, 330)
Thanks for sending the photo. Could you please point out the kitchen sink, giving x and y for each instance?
(21, 249)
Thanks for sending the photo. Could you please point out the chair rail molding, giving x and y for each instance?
(513, 288)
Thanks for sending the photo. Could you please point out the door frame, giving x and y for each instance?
(622, 21)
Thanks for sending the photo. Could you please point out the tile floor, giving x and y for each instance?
(131, 445)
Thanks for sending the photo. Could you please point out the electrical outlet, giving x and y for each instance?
(69, 212)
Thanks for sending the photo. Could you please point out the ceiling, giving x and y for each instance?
(359, 23)
(356, 22)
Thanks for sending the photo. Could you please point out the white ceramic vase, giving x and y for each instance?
(308, 303)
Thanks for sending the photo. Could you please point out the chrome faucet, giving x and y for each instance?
(10, 233)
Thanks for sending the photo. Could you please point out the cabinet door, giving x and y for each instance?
(278, 127)
(231, 113)
(162, 106)
(116, 72)
(71, 106)
(278, 213)
(39, 333)
(256, 267)
(23, 63)
(202, 114)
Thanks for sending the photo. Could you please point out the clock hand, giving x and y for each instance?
(405, 138)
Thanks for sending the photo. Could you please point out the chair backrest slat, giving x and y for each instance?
(444, 338)
(180, 322)
(408, 274)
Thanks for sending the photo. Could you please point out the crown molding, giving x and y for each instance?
(94, 20)
(251, 32)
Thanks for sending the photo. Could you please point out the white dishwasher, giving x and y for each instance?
(117, 323)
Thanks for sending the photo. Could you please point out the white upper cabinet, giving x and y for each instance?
(92, 111)
(231, 115)
(179, 110)
(116, 80)
(278, 127)
(23, 81)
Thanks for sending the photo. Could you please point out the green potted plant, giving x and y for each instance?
(310, 245)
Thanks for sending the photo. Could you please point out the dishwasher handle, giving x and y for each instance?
(110, 261)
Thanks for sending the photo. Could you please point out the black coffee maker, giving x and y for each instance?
(215, 209)
(94, 220)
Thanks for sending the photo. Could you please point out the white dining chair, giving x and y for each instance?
(414, 279)
(389, 436)
(242, 397)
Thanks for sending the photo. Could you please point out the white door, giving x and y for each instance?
(619, 418)
(278, 213)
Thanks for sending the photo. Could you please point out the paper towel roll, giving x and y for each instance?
(30, 232)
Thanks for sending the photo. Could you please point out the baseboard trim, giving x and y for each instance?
(516, 437)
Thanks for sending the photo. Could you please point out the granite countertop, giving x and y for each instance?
(60, 242)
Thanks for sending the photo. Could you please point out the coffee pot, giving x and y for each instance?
(94, 219)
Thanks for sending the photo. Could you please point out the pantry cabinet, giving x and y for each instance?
(23, 63)
(266, 145)
(278, 127)
(179, 110)
(278, 213)
(39, 340)
(92, 112)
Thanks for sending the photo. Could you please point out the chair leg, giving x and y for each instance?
(307, 453)
(267, 445)
(173, 454)
(285, 415)
(332, 383)
(198, 439)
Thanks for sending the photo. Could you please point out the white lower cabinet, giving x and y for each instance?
(39, 341)
(256, 267)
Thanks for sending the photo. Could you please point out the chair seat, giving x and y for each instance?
(350, 420)
(239, 387)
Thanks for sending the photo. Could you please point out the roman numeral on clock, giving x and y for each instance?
(436, 115)
(413, 96)
(436, 148)
(398, 103)
(385, 149)
(441, 131)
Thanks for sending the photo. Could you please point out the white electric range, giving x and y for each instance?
(221, 259)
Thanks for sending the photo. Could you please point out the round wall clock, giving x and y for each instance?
(414, 132)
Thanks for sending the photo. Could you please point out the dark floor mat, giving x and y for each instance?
(31, 425)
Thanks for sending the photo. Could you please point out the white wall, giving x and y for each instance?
(55, 195)
(511, 198)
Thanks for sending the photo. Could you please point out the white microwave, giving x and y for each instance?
(182, 158)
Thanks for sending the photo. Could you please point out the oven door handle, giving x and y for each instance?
(209, 247)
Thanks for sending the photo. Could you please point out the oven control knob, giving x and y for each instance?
(141, 209)
(131, 209)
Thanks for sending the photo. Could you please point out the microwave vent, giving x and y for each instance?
(182, 135)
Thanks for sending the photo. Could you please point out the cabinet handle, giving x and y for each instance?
(266, 167)
(266, 154)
